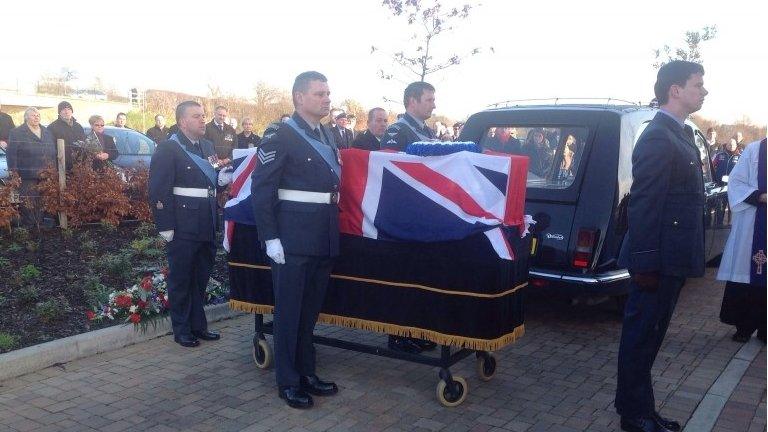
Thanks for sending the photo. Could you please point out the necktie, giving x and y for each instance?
(221, 127)
(318, 134)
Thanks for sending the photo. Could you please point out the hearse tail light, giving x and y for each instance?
(585, 245)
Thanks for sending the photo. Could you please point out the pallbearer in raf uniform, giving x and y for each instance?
(419, 101)
(665, 239)
(295, 193)
(183, 179)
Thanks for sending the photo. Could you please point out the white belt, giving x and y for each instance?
(194, 192)
(308, 197)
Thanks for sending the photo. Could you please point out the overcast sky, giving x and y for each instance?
(543, 49)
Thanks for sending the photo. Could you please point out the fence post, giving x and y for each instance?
(62, 165)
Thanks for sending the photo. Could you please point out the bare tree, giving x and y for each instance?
(690, 52)
(429, 20)
(57, 84)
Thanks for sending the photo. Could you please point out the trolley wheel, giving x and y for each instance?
(262, 353)
(486, 366)
(452, 394)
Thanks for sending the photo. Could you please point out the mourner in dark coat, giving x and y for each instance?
(30, 149)
(6, 124)
(247, 138)
(294, 190)
(159, 132)
(504, 141)
(341, 135)
(101, 145)
(68, 129)
(664, 243)
(182, 195)
(377, 125)
(419, 101)
(367, 141)
(222, 135)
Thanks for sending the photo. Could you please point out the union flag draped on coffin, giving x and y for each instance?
(431, 248)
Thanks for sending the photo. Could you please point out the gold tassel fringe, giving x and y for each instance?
(397, 330)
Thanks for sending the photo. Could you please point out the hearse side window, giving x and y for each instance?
(706, 167)
(554, 152)
(701, 145)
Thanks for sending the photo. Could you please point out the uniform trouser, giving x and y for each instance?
(646, 318)
(299, 287)
(189, 267)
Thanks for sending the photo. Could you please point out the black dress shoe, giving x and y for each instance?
(664, 423)
(424, 344)
(639, 424)
(401, 344)
(315, 386)
(186, 341)
(295, 397)
(741, 337)
(206, 335)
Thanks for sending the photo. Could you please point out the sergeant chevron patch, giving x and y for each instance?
(266, 157)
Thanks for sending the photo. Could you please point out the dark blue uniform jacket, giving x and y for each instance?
(287, 161)
(666, 206)
(397, 136)
(191, 218)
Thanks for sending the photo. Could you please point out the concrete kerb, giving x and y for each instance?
(706, 414)
(30, 359)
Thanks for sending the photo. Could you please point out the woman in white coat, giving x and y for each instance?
(743, 265)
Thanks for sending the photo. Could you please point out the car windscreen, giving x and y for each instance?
(554, 152)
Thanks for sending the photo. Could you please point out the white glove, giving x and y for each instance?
(167, 235)
(527, 222)
(225, 176)
(275, 251)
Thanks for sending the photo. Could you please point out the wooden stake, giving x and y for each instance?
(62, 165)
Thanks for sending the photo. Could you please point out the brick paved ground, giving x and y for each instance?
(560, 377)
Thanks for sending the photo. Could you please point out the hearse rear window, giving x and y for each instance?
(554, 153)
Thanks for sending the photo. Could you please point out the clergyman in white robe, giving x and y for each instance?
(740, 297)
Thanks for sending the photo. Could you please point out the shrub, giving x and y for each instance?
(144, 230)
(29, 272)
(20, 235)
(138, 192)
(88, 246)
(117, 265)
(9, 200)
(52, 309)
(14, 247)
(4, 262)
(67, 233)
(7, 341)
(91, 195)
(140, 246)
(28, 295)
(31, 246)
(95, 292)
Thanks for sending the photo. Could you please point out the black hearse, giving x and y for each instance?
(579, 178)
